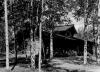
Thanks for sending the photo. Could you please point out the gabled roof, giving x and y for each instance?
(63, 28)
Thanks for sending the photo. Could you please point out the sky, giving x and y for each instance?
(70, 15)
(78, 24)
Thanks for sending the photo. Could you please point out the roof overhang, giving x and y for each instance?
(62, 28)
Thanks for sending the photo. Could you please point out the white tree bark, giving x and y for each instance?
(85, 52)
(6, 35)
(85, 41)
(40, 39)
(33, 47)
(98, 40)
(98, 51)
(51, 44)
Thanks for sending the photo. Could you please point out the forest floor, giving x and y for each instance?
(57, 64)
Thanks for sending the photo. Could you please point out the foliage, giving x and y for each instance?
(53, 11)
(20, 11)
(58, 8)
(88, 32)
(78, 7)
(1, 10)
(2, 37)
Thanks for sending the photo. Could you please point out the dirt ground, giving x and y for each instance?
(61, 64)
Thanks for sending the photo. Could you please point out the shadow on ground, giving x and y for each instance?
(46, 66)
(51, 68)
(78, 60)
(20, 61)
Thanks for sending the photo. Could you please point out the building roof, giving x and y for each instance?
(63, 28)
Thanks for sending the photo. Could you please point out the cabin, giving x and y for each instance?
(65, 42)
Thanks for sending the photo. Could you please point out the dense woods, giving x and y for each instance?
(25, 17)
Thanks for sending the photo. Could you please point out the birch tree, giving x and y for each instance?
(98, 38)
(51, 43)
(53, 12)
(85, 41)
(40, 37)
(6, 35)
(18, 14)
(31, 38)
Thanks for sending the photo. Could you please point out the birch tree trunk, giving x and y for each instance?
(51, 44)
(6, 35)
(85, 52)
(94, 50)
(98, 51)
(33, 46)
(98, 47)
(40, 38)
(98, 39)
(85, 41)
(32, 51)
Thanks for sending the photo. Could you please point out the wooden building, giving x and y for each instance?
(65, 42)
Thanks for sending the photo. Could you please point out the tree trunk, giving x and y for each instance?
(85, 52)
(98, 41)
(15, 45)
(98, 51)
(51, 44)
(32, 51)
(32, 43)
(40, 40)
(94, 48)
(6, 35)
(85, 36)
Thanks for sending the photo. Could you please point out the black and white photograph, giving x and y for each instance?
(49, 35)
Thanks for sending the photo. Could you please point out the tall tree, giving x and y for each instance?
(85, 25)
(31, 38)
(98, 37)
(6, 35)
(40, 37)
(84, 9)
(51, 43)
(52, 13)
(21, 12)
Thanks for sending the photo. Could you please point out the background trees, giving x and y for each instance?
(55, 12)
